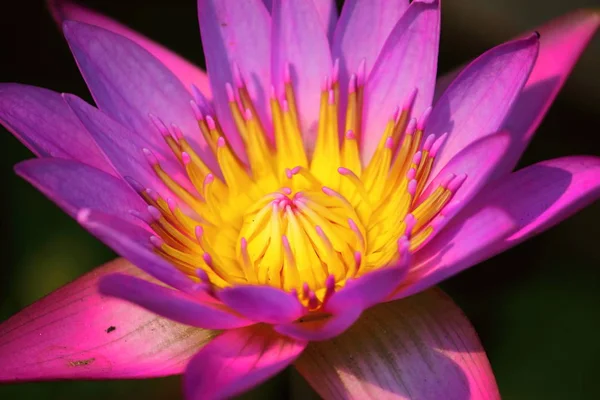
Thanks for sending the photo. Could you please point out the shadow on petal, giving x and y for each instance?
(421, 347)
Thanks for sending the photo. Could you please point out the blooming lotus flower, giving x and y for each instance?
(318, 172)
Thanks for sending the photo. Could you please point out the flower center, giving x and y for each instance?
(277, 215)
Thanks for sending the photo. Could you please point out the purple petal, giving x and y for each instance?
(262, 303)
(124, 148)
(128, 83)
(237, 360)
(504, 214)
(172, 304)
(367, 290)
(561, 43)
(479, 99)
(408, 61)
(328, 13)
(188, 73)
(42, 121)
(478, 162)
(73, 186)
(299, 39)
(236, 31)
(422, 347)
(323, 329)
(133, 243)
(346, 305)
(76, 333)
(362, 30)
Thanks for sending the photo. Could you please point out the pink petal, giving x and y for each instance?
(128, 83)
(73, 186)
(408, 61)
(479, 99)
(236, 31)
(77, 333)
(124, 148)
(561, 43)
(262, 303)
(299, 38)
(172, 304)
(133, 243)
(566, 36)
(42, 121)
(328, 13)
(237, 360)
(504, 214)
(478, 161)
(422, 347)
(362, 30)
(188, 73)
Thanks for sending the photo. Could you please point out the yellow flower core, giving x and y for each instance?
(291, 220)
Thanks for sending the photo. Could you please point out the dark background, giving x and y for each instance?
(535, 306)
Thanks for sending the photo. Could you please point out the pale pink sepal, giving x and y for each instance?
(411, 47)
(238, 360)
(478, 100)
(188, 73)
(77, 333)
(503, 215)
(300, 47)
(422, 347)
(262, 303)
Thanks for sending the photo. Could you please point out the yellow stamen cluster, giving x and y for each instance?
(291, 219)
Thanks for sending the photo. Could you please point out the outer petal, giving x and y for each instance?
(362, 30)
(237, 360)
(299, 39)
(566, 36)
(262, 303)
(477, 102)
(188, 73)
(408, 61)
(73, 186)
(561, 43)
(76, 332)
(172, 304)
(422, 347)
(236, 31)
(128, 83)
(42, 121)
(505, 214)
(124, 148)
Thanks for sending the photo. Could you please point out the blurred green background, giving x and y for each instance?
(535, 306)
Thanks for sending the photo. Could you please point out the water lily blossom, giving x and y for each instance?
(296, 205)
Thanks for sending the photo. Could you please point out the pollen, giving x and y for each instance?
(281, 214)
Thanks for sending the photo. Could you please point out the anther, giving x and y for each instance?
(150, 157)
(424, 118)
